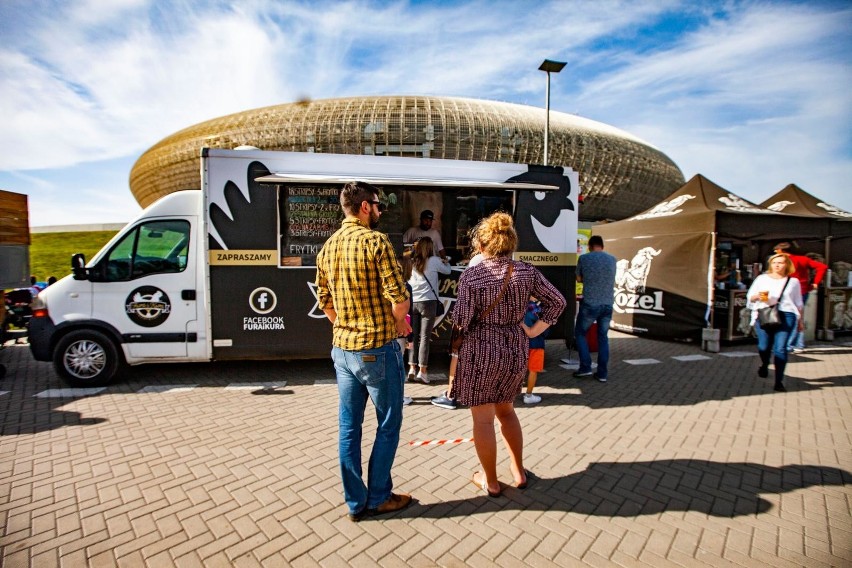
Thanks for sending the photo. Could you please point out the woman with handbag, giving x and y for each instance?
(775, 299)
(425, 304)
(492, 359)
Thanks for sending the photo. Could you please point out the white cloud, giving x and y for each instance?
(102, 80)
(42, 116)
(95, 205)
(752, 94)
(755, 101)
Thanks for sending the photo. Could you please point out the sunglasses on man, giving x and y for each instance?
(381, 205)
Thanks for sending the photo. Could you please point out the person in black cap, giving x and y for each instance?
(425, 230)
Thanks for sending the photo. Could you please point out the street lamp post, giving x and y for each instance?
(548, 67)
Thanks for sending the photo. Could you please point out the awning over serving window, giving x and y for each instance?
(431, 184)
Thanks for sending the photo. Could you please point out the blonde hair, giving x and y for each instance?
(787, 260)
(423, 249)
(496, 235)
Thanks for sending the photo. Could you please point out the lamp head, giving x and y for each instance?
(551, 66)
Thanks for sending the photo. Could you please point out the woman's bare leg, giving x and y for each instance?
(485, 441)
(513, 437)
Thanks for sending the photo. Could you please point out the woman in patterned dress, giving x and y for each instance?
(492, 362)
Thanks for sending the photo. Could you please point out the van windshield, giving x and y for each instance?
(155, 247)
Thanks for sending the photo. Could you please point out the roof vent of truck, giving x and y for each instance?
(246, 147)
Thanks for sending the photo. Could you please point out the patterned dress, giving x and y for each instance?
(492, 362)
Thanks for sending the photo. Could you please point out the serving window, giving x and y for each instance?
(463, 210)
(309, 213)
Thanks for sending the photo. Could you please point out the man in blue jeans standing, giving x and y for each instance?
(361, 290)
(596, 271)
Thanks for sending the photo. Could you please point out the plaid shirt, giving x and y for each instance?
(358, 277)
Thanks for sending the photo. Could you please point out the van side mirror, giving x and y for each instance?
(78, 266)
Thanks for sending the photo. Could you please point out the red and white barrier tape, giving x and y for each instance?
(439, 442)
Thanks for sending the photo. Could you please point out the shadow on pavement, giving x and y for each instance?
(219, 373)
(647, 488)
(33, 416)
(670, 383)
(674, 389)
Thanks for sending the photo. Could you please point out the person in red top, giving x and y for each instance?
(803, 265)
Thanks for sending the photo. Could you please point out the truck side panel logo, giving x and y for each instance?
(547, 220)
(262, 300)
(315, 312)
(148, 306)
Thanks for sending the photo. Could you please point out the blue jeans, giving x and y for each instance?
(777, 341)
(797, 339)
(376, 374)
(585, 318)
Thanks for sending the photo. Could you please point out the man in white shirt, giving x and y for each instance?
(425, 230)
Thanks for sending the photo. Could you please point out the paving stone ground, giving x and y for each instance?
(689, 461)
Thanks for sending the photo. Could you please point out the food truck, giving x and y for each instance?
(228, 272)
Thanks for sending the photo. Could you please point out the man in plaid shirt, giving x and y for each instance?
(361, 290)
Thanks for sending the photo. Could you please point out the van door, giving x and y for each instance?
(145, 287)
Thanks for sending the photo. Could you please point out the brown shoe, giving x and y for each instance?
(396, 502)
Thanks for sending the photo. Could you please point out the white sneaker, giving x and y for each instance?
(423, 377)
(531, 399)
(406, 400)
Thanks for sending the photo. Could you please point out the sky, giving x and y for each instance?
(753, 95)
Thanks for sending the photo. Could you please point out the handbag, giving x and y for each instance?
(439, 311)
(457, 334)
(770, 317)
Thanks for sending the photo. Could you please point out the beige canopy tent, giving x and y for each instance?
(793, 200)
(835, 307)
(665, 281)
(836, 247)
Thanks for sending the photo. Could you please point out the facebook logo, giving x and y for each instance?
(262, 300)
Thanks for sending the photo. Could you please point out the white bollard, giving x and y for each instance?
(710, 340)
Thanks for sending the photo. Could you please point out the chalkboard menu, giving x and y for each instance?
(310, 214)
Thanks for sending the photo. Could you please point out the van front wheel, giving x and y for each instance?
(86, 358)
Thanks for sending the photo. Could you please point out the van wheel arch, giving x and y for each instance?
(87, 357)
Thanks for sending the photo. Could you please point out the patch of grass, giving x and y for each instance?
(50, 253)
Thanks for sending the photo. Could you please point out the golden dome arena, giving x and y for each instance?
(620, 175)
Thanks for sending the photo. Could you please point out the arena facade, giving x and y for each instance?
(620, 175)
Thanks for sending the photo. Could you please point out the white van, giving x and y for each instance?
(227, 272)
